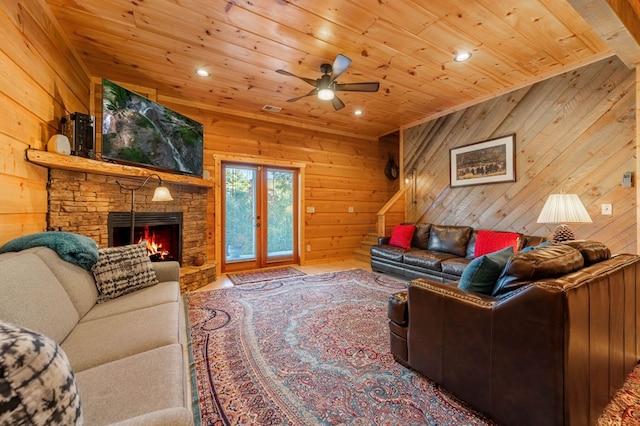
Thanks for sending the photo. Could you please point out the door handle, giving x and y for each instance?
(257, 225)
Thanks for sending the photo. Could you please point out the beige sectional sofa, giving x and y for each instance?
(127, 354)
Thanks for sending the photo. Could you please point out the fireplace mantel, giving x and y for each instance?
(54, 160)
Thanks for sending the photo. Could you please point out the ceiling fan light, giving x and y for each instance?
(325, 94)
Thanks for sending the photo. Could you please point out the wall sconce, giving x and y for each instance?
(161, 193)
(411, 180)
(562, 209)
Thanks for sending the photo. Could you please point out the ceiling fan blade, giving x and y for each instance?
(311, 93)
(340, 65)
(358, 87)
(310, 81)
(337, 103)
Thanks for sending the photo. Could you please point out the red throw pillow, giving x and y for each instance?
(401, 236)
(490, 241)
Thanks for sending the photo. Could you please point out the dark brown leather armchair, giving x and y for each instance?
(549, 351)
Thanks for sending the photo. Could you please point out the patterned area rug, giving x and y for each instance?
(307, 351)
(624, 409)
(250, 277)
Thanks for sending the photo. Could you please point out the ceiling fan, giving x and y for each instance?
(326, 86)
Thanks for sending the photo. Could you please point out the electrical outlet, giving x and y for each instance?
(308, 247)
(351, 209)
(606, 209)
(311, 209)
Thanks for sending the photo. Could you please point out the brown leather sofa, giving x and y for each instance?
(438, 252)
(550, 347)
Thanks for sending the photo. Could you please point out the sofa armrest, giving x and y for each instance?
(383, 241)
(476, 346)
(449, 339)
(167, 271)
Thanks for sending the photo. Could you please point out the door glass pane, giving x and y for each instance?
(240, 213)
(280, 210)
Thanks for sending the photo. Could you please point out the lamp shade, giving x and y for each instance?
(564, 208)
(162, 194)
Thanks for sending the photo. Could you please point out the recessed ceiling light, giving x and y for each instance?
(462, 56)
(202, 72)
(357, 112)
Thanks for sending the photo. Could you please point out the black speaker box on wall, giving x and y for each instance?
(81, 131)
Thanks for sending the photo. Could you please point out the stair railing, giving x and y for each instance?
(392, 213)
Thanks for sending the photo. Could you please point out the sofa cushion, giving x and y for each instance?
(483, 272)
(37, 386)
(137, 389)
(77, 282)
(426, 259)
(388, 252)
(591, 251)
(421, 236)
(492, 241)
(164, 292)
(106, 339)
(455, 265)
(547, 262)
(37, 300)
(401, 236)
(531, 241)
(122, 270)
(449, 239)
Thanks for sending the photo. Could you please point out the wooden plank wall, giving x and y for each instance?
(574, 133)
(340, 172)
(40, 82)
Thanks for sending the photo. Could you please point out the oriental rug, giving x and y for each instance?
(250, 277)
(312, 350)
(624, 409)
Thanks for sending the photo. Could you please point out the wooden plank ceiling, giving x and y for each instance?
(407, 46)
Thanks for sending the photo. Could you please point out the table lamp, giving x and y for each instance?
(563, 209)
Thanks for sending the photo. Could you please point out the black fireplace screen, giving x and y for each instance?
(162, 232)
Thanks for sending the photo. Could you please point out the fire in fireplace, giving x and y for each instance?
(162, 232)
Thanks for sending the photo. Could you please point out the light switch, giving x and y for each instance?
(311, 209)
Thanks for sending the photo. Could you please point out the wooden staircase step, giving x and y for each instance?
(362, 255)
(363, 252)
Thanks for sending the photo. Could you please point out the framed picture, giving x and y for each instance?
(483, 162)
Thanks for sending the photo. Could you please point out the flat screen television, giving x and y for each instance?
(138, 131)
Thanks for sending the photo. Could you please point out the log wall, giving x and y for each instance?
(574, 133)
(40, 81)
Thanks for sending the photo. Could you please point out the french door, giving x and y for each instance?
(260, 216)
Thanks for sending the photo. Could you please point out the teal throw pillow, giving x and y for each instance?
(539, 246)
(481, 273)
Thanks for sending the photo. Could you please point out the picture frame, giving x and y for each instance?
(490, 161)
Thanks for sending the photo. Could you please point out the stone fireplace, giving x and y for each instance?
(80, 202)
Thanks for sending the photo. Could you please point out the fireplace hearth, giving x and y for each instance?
(161, 230)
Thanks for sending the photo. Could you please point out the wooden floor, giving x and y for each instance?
(222, 280)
